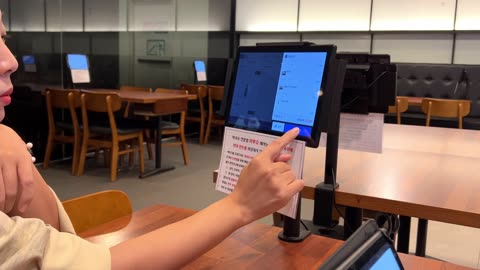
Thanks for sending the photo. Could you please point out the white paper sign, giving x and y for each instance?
(80, 76)
(201, 76)
(240, 146)
(359, 132)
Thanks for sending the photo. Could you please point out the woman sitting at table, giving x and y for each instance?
(35, 231)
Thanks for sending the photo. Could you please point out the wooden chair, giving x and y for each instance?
(128, 108)
(109, 136)
(446, 108)
(215, 95)
(199, 114)
(177, 106)
(401, 106)
(68, 99)
(95, 209)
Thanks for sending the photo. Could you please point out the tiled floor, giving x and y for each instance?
(191, 187)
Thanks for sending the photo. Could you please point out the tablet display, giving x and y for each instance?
(79, 68)
(378, 255)
(368, 248)
(200, 70)
(277, 88)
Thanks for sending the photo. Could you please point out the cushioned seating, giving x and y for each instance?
(438, 81)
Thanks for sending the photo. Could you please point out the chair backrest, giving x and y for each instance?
(135, 88)
(401, 106)
(215, 96)
(195, 89)
(62, 99)
(100, 102)
(215, 92)
(95, 209)
(170, 106)
(446, 108)
(97, 101)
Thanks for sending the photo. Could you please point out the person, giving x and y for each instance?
(35, 231)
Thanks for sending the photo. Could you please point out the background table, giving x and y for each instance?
(151, 98)
(425, 172)
(255, 246)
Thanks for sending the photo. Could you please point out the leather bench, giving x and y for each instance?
(438, 81)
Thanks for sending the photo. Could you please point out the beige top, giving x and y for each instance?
(28, 243)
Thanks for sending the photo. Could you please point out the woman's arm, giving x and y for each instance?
(23, 192)
(265, 185)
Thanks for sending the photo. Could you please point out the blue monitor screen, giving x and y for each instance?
(77, 61)
(277, 91)
(383, 259)
(199, 66)
(28, 60)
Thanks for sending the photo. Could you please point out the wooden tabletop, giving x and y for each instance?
(255, 246)
(425, 172)
(146, 98)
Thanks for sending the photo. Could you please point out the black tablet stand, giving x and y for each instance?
(324, 192)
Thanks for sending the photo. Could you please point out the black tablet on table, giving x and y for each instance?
(369, 248)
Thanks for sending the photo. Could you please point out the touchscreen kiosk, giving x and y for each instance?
(29, 63)
(79, 68)
(277, 88)
(200, 71)
(368, 248)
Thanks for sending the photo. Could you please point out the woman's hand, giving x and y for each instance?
(16, 173)
(267, 183)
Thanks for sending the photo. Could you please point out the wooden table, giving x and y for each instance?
(255, 246)
(151, 98)
(425, 172)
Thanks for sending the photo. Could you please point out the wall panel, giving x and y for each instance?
(467, 48)
(5, 14)
(151, 15)
(203, 15)
(413, 15)
(64, 15)
(415, 47)
(323, 15)
(468, 15)
(27, 15)
(105, 15)
(266, 15)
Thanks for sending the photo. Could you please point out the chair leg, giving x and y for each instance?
(121, 158)
(105, 157)
(114, 162)
(141, 159)
(131, 157)
(48, 151)
(82, 157)
(202, 130)
(207, 132)
(184, 148)
(76, 153)
(146, 133)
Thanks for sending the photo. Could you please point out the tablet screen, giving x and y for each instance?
(277, 89)
(200, 70)
(384, 258)
(378, 255)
